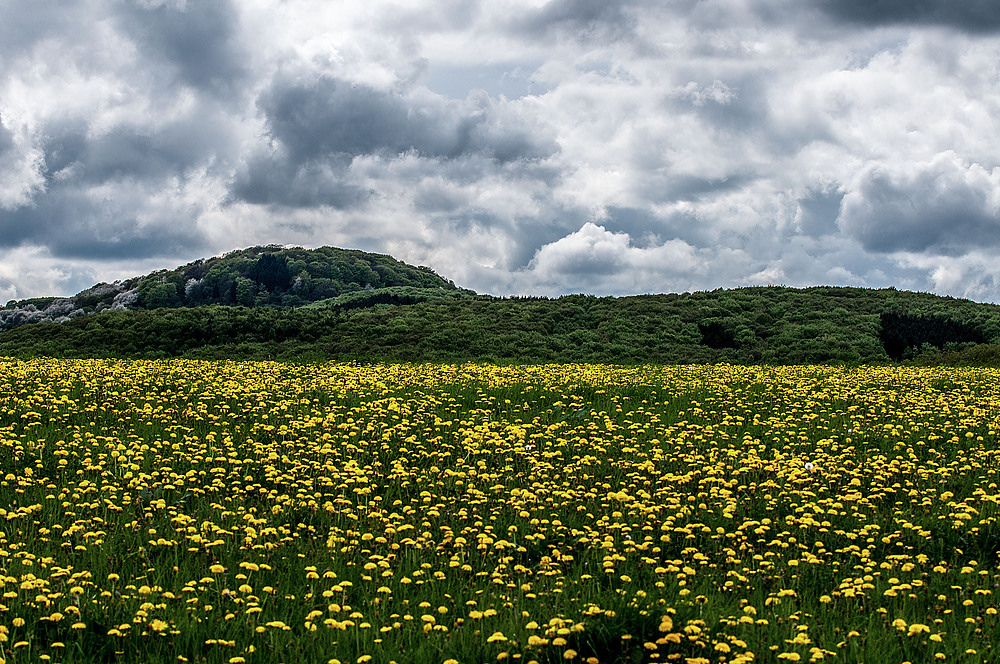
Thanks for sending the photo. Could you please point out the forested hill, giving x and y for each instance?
(747, 325)
(270, 276)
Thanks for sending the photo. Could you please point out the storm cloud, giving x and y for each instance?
(319, 127)
(534, 146)
(333, 117)
(196, 43)
(970, 15)
(943, 205)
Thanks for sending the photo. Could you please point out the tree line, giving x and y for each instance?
(771, 325)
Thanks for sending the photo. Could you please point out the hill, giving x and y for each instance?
(269, 276)
(749, 325)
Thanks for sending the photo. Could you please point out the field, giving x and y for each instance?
(165, 511)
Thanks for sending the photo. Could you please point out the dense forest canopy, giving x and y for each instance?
(751, 325)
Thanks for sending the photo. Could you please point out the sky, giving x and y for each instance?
(514, 146)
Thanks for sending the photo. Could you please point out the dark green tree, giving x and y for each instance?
(163, 295)
(246, 292)
(271, 271)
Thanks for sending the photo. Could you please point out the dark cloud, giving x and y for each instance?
(818, 211)
(6, 138)
(436, 199)
(646, 228)
(319, 118)
(737, 105)
(640, 224)
(271, 179)
(74, 223)
(197, 39)
(116, 192)
(63, 146)
(319, 126)
(135, 242)
(583, 19)
(943, 207)
(136, 152)
(691, 188)
(329, 116)
(978, 16)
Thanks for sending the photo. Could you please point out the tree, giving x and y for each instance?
(271, 272)
(246, 292)
(163, 295)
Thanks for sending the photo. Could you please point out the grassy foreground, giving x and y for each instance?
(164, 511)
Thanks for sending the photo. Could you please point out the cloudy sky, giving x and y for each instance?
(515, 146)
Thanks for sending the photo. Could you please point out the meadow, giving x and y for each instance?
(189, 511)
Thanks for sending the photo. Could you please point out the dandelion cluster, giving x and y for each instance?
(227, 512)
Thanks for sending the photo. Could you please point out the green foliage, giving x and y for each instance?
(393, 295)
(902, 333)
(37, 302)
(762, 325)
(979, 355)
(246, 292)
(271, 271)
(355, 304)
(281, 277)
(162, 295)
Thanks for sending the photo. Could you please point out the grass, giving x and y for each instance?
(225, 512)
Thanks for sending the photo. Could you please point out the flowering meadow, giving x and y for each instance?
(184, 511)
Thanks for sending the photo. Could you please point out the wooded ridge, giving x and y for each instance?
(328, 303)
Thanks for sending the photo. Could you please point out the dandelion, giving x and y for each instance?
(407, 480)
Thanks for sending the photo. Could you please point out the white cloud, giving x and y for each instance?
(595, 258)
(975, 275)
(19, 165)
